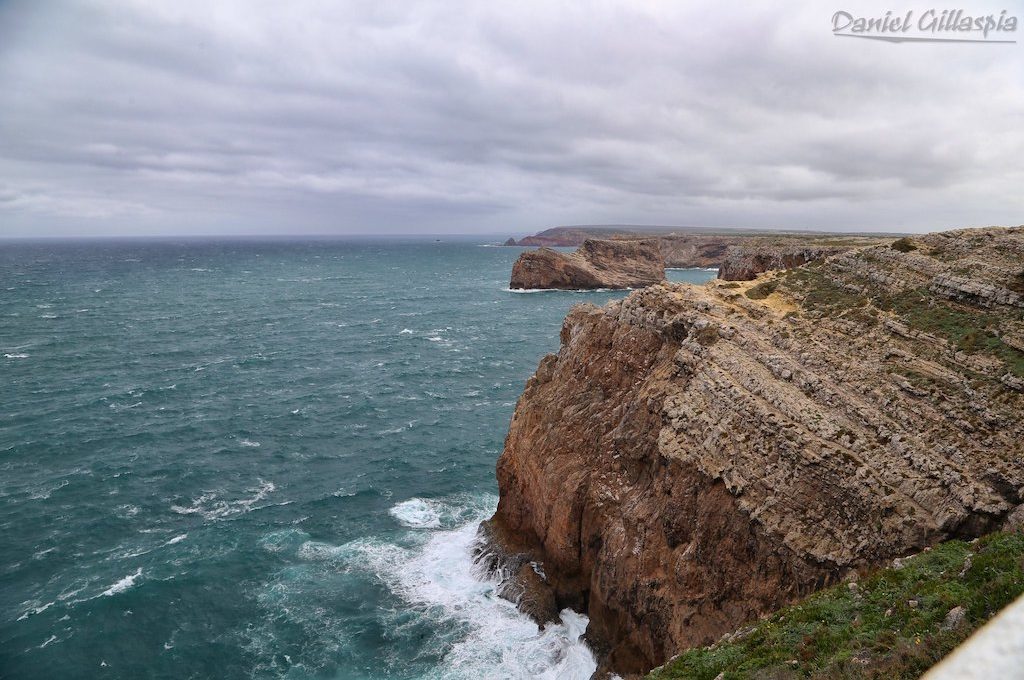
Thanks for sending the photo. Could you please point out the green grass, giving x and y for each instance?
(968, 328)
(821, 294)
(873, 631)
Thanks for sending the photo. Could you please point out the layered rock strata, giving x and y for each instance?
(744, 264)
(595, 264)
(694, 457)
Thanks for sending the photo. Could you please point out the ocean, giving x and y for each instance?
(263, 459)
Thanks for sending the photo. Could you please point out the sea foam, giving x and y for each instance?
(443, 606)
(210, 507)
(441, 579)
(565, 290)
(417, 513)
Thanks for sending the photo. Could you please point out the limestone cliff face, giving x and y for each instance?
(595, 264)
(744, 264)
(694, 457)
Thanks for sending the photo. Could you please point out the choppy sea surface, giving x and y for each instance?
(247, 459)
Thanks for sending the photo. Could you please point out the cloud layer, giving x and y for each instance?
(375, 117)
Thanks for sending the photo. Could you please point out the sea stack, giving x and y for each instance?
(595, 264)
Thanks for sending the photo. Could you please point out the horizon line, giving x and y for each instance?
(499, 236)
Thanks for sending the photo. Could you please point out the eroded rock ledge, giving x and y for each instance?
(595, 264)
(694, 457)
(744, 264)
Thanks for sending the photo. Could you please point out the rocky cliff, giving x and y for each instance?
(595, 264)
(745, 263)
(691, 247)
(694, 457)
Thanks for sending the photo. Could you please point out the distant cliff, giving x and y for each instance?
(596, 264)
(688, 247)
(694, 457)
(568, 237)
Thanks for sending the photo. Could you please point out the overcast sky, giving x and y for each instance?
(288, 117)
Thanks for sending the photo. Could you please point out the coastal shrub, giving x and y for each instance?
(864, 315)
(1017, 282)
(903, 245)
(819, 292)
(968, 328)
(829, 297)
(834, 299)
(888, 626)
(762, 290)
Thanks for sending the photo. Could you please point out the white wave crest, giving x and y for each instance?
(35, 610)
(123, 585)
(209, 506)
(127, 511)
(44, 494)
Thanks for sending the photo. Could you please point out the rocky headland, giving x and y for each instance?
(595, 264)
(693, 458)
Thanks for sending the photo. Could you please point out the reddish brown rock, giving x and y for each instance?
(596, 264)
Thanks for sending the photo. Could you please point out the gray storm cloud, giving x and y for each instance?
(447, 117)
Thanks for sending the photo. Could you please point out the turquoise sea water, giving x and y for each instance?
(263, 459)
